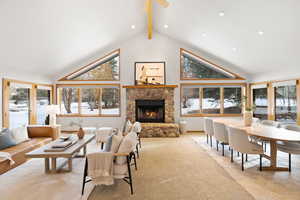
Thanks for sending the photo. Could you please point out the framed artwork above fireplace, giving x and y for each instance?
(150, 73)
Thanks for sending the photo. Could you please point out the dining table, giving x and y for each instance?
(264, 133)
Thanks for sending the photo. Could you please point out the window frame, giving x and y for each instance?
(117, 51)
(32, 98)
(182, 78)
(79, 114)
(221, 86)
(271, 97)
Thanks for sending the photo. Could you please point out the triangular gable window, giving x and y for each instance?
(194, 67)
(106, 68)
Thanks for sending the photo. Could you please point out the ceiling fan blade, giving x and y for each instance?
(163, 3)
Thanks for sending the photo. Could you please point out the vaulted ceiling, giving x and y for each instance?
(53, 34)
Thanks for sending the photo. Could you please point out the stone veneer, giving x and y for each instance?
(166, 93)
(167, 129)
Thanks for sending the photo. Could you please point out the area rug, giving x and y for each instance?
(168, 169)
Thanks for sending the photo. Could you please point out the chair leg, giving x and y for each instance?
(206, 138)
(290, 162)
(137, 151)
(210, 141)
(129, 175)
(84, 176)
(238, 154)
(260, 162)
(265, 146)
(242, 162)
(246, 157)
(223, 154)
(140, 142)
(217, 143)
(134, 159)
(102, 145)
(231, 156)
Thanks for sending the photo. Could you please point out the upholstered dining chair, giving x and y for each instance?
(221, 135)
(270, 123)
(208, 129)
(290, 147)
(239, 141)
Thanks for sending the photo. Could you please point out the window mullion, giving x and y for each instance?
(79, 100)
(221, 100)
(200, 98)
(100, 101)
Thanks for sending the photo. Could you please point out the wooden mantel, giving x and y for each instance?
(150, 86)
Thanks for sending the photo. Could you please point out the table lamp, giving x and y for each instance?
(52, 111)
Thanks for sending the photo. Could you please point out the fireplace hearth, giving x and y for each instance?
(150, 111)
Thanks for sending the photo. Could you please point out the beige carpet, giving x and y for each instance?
(169, 169)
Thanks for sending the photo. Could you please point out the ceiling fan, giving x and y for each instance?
(149, 11)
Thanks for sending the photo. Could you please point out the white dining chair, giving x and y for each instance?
(209, 129)
(270, 123)
(290, 147)
(221, 135)
(239, 141)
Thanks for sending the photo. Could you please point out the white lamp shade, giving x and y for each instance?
(52, 109)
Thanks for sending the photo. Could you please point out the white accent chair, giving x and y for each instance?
(239, 141)
(290, 147)
(137, 127)
(221, 135)
(121, 166)
(209, 129)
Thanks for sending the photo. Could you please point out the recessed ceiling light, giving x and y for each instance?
(260, 32)
(133, 26)
(221, 14)
(234, 49)
(166, 26)
(203, 34)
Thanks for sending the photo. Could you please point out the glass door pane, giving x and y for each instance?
(286, 104)
(19, 105)
(260, 101)
(43, 99)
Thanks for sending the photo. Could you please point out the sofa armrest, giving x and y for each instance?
(42, 131)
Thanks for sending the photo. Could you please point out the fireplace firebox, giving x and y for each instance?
(150, 111)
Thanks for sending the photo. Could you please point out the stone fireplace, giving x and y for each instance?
(153, 106)
(150, 111)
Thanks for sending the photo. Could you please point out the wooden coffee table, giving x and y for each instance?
(68, 154)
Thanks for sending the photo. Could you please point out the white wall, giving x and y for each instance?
(139, 48)
(21, 76)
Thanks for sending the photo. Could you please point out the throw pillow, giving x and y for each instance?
(20, 134)
(116, 141)
(6, 139)
(126, 146)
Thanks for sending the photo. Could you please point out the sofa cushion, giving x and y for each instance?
(6, 139)
(20, 134)
(18, 152)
